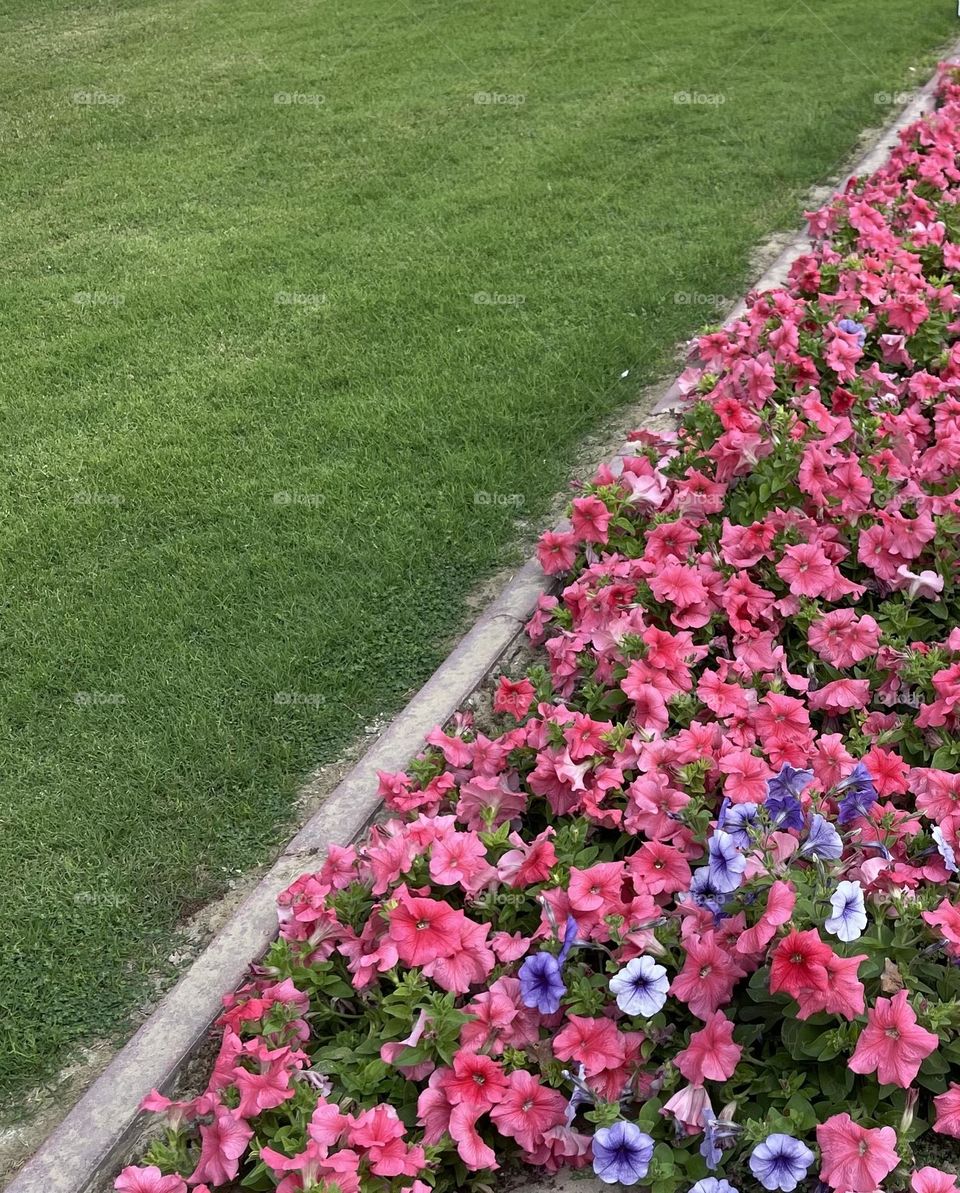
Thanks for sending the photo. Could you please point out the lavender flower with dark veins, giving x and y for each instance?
(725, 862)
(736, 820)
(823, 840)
(706, 894)
(780, 1162)
(621, 1153)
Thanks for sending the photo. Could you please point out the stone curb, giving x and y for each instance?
(94, 1135)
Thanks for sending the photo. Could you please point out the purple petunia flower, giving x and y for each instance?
(736, 820)
(789, 781)
(569, 940)
(785, 811)
(725, 862)
(780, 1162)
(621, 1153)
(859, 794)
(716, 1132)
(823, 840)
(712, 1184)
(853, 328)
(541, 976)
(541, 983)
(705, 893)
(782, 802)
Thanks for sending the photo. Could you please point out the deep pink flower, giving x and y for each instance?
(262, 1091)
(557, 551)
(513, 697)
(799, 964)
(590, 519)
(781, 899)
(659, 869)
(843, 994)
(806, 569)
(594, 1043)
(423, 929)
(528, 1110)
(476, 1082)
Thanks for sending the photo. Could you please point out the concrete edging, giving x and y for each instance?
(94, 1134)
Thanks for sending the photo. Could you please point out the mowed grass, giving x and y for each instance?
(213, 298)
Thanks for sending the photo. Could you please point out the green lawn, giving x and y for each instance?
(213, 297)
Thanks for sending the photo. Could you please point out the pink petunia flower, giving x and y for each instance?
(594, 1043)
(557, 551)
(590, 519)
(659, 869)
(708, 976)
(948, 1111)
(711, 1054)
(513, 697)
(806, 570)
(148, 1180)
(222, 1143)
(933, 1180)
(423, 929)
(687, 1107)
(855, 1159)
(781, 899)
(892, 1045)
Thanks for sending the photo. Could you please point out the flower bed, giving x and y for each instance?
(690, 907)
